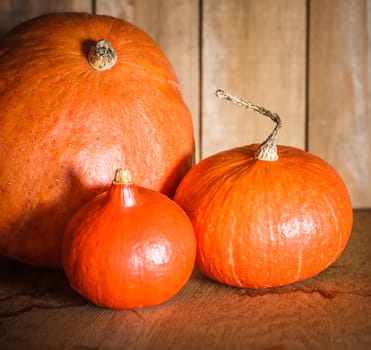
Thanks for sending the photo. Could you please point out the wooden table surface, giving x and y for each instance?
(38, 310)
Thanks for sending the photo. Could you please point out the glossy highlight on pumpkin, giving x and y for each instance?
(129, 247)
(65, 127)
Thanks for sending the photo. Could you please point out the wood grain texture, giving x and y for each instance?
(339, 91)
(13, 12)
(38, 310)
(174, 25)
(255, 50)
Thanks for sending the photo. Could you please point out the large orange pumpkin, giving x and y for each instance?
(67, 122)
(265, 215)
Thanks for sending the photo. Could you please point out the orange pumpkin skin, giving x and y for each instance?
(129, 247)
(265, 223)
(61, 120)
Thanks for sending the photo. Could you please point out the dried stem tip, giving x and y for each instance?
(268, 149)
(101, 55)
(122, 177)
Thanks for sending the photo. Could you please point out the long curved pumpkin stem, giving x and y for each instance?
(268, 149)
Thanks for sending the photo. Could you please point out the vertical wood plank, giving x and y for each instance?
(174, 25)
(255, 50)
(13, 12)
(339, 91)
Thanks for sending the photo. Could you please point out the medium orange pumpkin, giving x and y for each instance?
(265, 215)
(129, 247)
(73, 109)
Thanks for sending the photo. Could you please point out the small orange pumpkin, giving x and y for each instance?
(73, 109)
(265, 215)
(129, 247)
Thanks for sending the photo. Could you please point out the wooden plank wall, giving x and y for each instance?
(308, 60)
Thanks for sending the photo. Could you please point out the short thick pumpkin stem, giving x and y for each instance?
(102, 56)
(122, 177)
(127, 191)
(268, 149)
